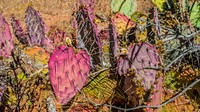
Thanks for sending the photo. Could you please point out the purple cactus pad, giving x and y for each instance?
(35, 26)
(143, 59)
(18, 31)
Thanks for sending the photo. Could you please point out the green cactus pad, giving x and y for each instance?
(127, 7)
(195, 14)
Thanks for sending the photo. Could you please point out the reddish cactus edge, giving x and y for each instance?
(68, 72)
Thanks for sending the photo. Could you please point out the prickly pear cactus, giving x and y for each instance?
(156, 97)
(6, 41)
(122, 23)
(143, 59)
(127, 7)
(123, 65)
(87, 34)
(35, 26)
(194, 15)
(68, 72)
(18, 31)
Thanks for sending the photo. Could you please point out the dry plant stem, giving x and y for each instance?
(158, 25)
(191, 50)
(37, 72)
(158, 28)
(182, 36)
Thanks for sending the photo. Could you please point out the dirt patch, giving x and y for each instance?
(144, 6)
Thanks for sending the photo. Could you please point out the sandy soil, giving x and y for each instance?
(53, 12)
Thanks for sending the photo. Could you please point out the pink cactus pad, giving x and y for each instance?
(143, 59)
(6, 41)
(123, 65)
(156, 97)
(68, 72)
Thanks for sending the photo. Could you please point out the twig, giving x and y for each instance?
(182, 36)
(37, 72)
(156, 20)
(180, 56)
(99, 71)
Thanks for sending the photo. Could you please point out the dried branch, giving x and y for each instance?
(40, 70)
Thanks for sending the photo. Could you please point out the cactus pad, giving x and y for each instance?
(122, 23)
(68, 72)
(88, 35)
(6, 41)
(156, 97)
(35, 26)
(143, 59)
(127, 7)
(18, 31)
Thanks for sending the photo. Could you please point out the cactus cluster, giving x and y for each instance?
(69, 65)
(6, 40)
(68, 72)
(35, 35)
